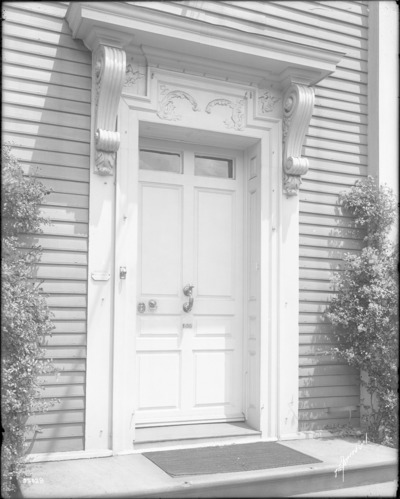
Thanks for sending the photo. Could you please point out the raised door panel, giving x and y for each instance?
(215, 243)
(158, 377)
(161, 241)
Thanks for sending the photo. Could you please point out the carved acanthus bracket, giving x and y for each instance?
(109, 73)
(298, 105)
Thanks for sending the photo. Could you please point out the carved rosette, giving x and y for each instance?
(297, 111)
(109, 73)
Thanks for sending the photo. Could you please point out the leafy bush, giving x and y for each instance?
(364, 311)
(25, 317)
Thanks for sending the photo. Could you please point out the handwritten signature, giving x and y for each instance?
(345, 460)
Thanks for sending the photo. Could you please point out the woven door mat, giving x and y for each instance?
(228, 458)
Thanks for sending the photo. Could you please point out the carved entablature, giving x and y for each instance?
(298, 105)
(109, 72)
(266, 102)
(167, 108)
(236, 119)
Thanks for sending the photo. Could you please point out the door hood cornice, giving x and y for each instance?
(182, 43)
(125, 25)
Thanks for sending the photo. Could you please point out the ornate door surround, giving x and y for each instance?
(141, 78)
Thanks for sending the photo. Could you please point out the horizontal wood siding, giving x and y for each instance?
(46, 117)
(336, 146)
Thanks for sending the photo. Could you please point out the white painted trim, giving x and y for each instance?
(279, 264)
(278, 370)
(288, 340)
(123, 377)
(383, 93)
(110, 366)
(269, 281)
(99, 309)
(152, 26)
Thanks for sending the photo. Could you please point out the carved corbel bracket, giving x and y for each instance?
(298, 105)
(109, 72)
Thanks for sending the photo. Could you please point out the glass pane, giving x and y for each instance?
(161, 161)
(213, 167)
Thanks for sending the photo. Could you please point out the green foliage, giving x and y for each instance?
(25, 317)
(373, 209)
(364, 312)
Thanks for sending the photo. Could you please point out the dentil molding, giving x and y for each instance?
(298, 105)
(109, 65)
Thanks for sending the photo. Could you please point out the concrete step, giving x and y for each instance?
(135, 476)
(386, 489)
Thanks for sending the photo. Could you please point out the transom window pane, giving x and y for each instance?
(161, 161)
(213, 167)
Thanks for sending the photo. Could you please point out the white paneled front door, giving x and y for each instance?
(189, 339)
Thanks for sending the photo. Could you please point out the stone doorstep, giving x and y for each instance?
(135, 476)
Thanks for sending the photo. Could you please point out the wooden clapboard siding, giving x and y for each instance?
(46, 113)
(336, 146)
(46, 117)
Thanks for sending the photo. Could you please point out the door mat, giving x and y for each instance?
(228, 458)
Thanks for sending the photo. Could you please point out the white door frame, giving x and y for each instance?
(279, 286)
(108, 29)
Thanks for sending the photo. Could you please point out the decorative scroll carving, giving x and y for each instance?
(267, 102)
(297, 110)
(236, 119)
(131, 76)
(167, 108)
(109, 72)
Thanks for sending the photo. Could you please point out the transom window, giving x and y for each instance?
(172, 162)
(161, 161)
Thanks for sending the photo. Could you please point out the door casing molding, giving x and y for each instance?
(110, 418)
(279, 289)
(248, 111)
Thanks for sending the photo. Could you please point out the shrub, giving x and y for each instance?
(25, 317)
(364, 311)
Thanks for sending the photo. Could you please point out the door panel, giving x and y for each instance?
(165, 389)
(189, 365)
(212, 377)
(215, 243)
(161, 239)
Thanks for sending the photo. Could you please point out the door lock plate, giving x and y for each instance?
(141, 308)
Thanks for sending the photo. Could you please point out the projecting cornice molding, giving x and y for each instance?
(148, 25)
(298, 105)
(109, 65)
(186, 44)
